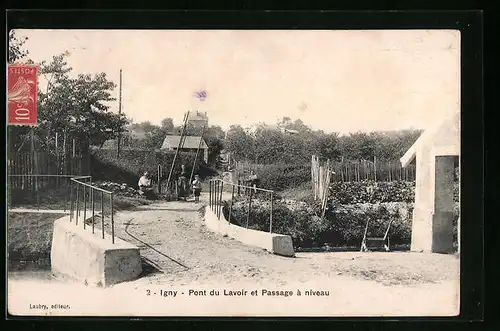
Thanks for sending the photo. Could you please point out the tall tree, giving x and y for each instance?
(239, 143)
(16, 50)
(77, 106)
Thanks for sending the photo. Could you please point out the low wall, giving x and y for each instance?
(84, 256)
(275, 243)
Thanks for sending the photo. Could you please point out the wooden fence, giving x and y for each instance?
(33, 171)
(387, 171)
(320, 178)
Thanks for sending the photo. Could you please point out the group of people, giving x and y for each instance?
(146, 186)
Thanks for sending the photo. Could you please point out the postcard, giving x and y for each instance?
(233, 173)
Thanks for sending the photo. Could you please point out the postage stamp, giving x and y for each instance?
(268, 173)
(22, 94)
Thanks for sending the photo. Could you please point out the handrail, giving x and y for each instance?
(75, 210)
(41, 175)
(91, 186)
(244, 186)
(215, 199)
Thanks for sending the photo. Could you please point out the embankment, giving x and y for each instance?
(29, 236)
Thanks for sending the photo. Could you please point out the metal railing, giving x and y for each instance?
(215, 198)
(84, 194)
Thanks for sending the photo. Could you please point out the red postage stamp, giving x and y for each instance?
(22, 94)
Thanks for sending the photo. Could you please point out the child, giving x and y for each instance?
(196, 188)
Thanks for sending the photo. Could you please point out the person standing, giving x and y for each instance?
(182, 183)
(196, 188)
(254, 181)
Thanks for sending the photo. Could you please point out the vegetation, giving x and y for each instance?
(268, 146)
(145, 135)
(74, 105)
(106, 165)
(30, 236)
(342, 225)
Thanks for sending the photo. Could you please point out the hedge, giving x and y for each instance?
(105, 165)
(343, 225)
(377, 192)
(372, 192)
(278, 177)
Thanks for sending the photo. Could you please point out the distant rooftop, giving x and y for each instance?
(191, 142)
(198, 116)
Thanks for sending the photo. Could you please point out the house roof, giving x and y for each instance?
(427, 137)
(198, 116)
(191, 142)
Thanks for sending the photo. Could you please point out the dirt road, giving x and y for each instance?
(192, 260)
(172, 235)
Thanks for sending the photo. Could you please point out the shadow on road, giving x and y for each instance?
(149, 267)
(127, 224)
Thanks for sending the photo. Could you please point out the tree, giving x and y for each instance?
(239, 143)
(214, 137)
(167, 125)
(269, 146)
(77, 106)
(16, 51)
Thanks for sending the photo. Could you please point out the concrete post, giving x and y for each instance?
(442, 223)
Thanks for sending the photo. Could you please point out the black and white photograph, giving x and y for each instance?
(238, 173)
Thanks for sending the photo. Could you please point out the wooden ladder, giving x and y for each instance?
(369, 243)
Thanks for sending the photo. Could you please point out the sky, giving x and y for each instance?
(336, 80)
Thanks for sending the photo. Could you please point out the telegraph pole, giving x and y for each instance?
(119, 113)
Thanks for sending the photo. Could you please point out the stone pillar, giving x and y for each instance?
(421, 234)
(442, 220)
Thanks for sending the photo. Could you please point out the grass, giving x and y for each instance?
(299, 193)
(59, 200)
(30, 235)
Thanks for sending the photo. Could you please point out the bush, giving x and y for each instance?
(343, 225)
(372, 192)
(105, 165)
(278, 177)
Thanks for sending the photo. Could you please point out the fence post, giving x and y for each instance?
(210, 194)
(271, 218)
(220, 200)
(77, 203)
(112, 219)
(102, 213)
(216, 196)
(93, 209)
(67, 197)
(159, 178)
(84, 205)
(249, 207)
(231, 205)
(71, 207)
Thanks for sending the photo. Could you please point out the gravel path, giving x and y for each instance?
(172, 236)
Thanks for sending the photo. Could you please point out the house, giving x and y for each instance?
(268, 127)
(191, 144)
(198, 119)
(436, 152)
